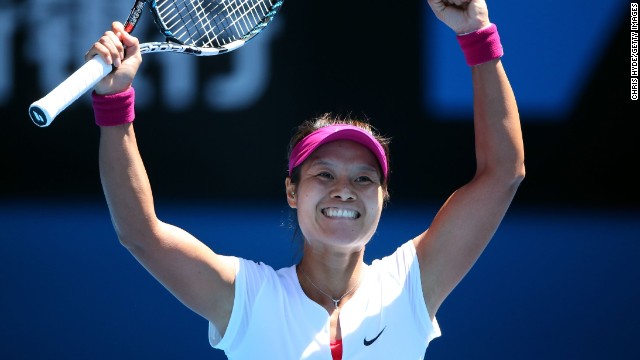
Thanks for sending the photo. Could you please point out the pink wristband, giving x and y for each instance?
(481, 45)
(114, 109)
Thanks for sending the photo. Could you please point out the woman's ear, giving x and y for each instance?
(290, 188)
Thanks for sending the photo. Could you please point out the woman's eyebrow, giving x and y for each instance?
(325, 162)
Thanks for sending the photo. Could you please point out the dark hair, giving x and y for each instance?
(327, 119)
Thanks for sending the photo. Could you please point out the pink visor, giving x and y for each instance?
(327, 134)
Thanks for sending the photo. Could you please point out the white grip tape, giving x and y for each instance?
(43, 111)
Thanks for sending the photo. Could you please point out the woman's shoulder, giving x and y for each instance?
(399, 263)
(258, 271)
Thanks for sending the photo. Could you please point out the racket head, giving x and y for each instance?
(209, 27)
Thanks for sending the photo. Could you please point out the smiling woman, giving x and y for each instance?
(338, 193)
(331, 304)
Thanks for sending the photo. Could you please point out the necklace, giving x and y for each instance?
(336, 302)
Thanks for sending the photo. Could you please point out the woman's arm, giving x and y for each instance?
(198, 277)
(468, 220)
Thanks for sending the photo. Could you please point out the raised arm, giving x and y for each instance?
(467, 221)
(199, 278)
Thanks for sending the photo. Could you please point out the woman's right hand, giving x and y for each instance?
(122, 50)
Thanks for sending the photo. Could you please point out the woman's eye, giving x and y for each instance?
(363, 179)
(325, 174)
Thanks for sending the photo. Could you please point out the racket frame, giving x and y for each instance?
(43, 111)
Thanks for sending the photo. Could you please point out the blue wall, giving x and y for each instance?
(553, 284)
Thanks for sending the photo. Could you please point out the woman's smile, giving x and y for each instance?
(334, 212)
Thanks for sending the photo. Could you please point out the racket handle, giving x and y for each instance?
(45, 110)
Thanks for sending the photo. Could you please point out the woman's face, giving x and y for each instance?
(339, 197)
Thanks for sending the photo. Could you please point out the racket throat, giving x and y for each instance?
(132, 20)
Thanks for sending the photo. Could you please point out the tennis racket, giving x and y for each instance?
(194, 27)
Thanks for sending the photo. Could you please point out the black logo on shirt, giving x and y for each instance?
(369, 342)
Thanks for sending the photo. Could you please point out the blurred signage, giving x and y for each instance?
(551, 50)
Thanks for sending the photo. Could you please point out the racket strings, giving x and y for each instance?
(204, 23)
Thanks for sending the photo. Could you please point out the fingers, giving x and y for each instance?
(459, 3)
(131, 43)
(111, 46)
(462, 16)
(444, 3)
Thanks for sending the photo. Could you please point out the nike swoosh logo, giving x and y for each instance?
(369, 342)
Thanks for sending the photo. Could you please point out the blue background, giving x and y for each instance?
(549, 54)
(560, 280)
(552, 284)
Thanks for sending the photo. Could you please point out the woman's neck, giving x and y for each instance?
(330, 282)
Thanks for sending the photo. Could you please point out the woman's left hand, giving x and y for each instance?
(462, 16)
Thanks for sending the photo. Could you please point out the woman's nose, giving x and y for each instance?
(343, 191)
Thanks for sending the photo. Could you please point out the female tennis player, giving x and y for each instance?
(331, 304)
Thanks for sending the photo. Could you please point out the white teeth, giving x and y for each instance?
(340, 213)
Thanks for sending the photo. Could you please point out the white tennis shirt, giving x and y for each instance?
(272, 318)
